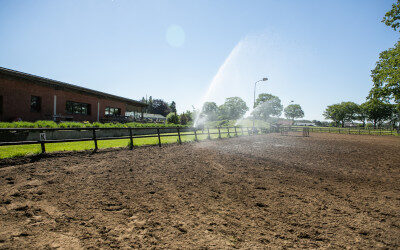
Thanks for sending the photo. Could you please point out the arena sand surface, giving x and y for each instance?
(264, 191)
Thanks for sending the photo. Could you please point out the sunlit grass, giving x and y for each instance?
(21, 150)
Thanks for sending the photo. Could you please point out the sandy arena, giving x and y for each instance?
(264, 191)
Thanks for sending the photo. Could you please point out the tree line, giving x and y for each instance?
(383, 101)
(265, 107)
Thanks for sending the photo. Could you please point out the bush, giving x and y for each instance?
(51, 124)
(172, 118)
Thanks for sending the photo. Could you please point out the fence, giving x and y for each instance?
(42, 136)
(359, 131)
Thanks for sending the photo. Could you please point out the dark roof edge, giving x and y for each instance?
(68, 85)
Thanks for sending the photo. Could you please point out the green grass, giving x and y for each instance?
(22, 150)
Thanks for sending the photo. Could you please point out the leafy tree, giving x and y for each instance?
(210, 110)
(184, 119)
(362, 113)
(293, 111)
(233, 108)
(378, 111)
(392, 17)
(150, 108)
(160, 107)
(395, 117)
(173, 107)
(386, 75)
(267, 105)
(173, 118)
(341, 112)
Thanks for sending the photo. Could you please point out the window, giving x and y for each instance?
(1, 104)
(112, 111)
(77, 108)
(36, 103)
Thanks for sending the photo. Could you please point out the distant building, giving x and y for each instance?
(153, 117)
(30, 98)
(304, 124)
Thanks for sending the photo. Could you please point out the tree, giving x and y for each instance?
(267, 105)
(386, 75)
(210, 111)
(341, 112)
(395, 117)
(392, 17)
(362, 113)
(160, 107)
(173, 107)
(172, 118)
(378, 111)
(294, 111)
(150, 109)
(184, 119)
(233, 108)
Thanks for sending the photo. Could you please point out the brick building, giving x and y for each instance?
(30, 98)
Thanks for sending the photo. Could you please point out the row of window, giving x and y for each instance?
(71, 108)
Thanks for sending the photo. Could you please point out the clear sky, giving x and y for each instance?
(315, 53)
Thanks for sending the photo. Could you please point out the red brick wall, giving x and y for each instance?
(17, 94)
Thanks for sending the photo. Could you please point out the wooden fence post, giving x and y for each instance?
(131, 139)
(159, 138)
(229, 135)
(43, 147)
(219, 133)
(236, 132)
(195, 135)
(208, 133)
(95, 140)
(179, 136)
(241, 128)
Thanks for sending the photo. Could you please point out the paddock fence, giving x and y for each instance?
(43, 136)
(336, 130)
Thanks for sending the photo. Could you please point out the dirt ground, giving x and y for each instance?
(266, 191)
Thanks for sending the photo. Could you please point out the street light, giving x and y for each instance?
(254, 104)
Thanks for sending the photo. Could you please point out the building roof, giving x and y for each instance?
(153, 116)
(68, 86)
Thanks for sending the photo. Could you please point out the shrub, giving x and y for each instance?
(172, 118)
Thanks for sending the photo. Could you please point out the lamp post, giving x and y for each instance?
(254, 104)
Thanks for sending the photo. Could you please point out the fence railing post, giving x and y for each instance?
(42, 146)
(195, 135)
(159, 137)
(95, 139)
(236, 132)
(208, 133)
(219, 133)
(131, 139)
(241, 128)
(229, 135)
(179, 136)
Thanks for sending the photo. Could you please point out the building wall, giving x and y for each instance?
(17, 94)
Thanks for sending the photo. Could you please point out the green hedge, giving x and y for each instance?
(51, 124)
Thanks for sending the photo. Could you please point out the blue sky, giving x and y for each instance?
(315, 53)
